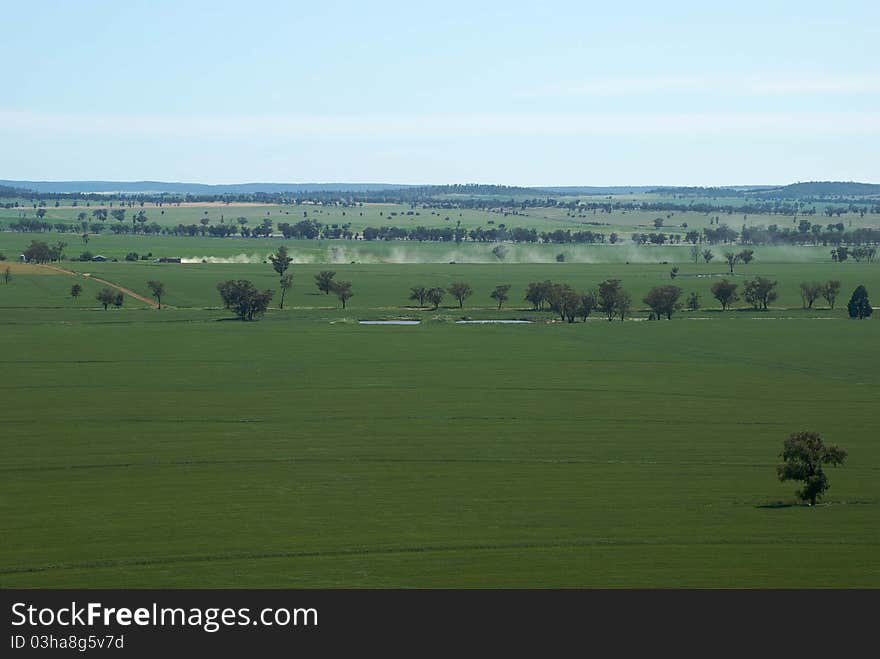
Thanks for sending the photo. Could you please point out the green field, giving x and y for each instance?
(175, 448)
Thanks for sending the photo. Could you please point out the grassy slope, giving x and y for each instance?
(166, 449)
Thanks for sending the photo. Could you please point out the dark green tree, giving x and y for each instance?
(500, 294)
(804, 455)
(323, 281)
(243, 298)
(158, 290)
(342, 290)
(859, 306)
(460, 291)
(419, 294)
(725, 292)
(663, 300)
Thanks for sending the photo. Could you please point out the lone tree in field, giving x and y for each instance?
(75, 291)
(810, 292)
(708, 255)
(460, 291)
(7, 275)
(286, 283)
(760, 292)
(693, 302)
(418, 294)
(243, 298)
(280, 263)
(500, 252)
(324, 281)
(663, 300)
(859, 306)
(106, 297)
(342, 290)
(725, 292)
(435, 296)
(803, 456)
(500, 294)
(118, 299)
(158, 290)
(830, 291)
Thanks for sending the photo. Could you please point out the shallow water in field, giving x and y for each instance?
(389, 322)
(493, 322)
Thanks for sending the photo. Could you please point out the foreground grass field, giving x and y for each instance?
(172, 448)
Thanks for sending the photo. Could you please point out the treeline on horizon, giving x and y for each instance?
(787, 200)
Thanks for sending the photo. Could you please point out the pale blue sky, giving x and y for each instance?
(565, 93)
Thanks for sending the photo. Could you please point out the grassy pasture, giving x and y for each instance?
(383, 289)
(145, 448)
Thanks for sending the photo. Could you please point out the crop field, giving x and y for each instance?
(178, 447)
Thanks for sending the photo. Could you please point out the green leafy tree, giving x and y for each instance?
(75, 291)
(243, 298)
(609, 290)
(804, 455)
(859, 306)
(588, 303)
(746, 256)
(39, 252)
(760, 292)
(286, 283)
(106, 297)
(419, 294)
(281, 260)
(500, 294)
(725, 292)
(732, 259)
(342, 290)
(830, 291)
(622, 305)
(663, 300)
(460, 291)
(7, 275)
(158, 290)
(810, 292)
(435, 296)
(708, 255)
(324, 281)
(536, 293)
(693, 301)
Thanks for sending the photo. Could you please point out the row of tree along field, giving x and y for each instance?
(804, 232)
(609, 299)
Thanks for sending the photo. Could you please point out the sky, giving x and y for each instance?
(514, 93)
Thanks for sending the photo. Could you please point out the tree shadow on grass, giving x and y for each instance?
(778, 504)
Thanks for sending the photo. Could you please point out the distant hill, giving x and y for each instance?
(153, 187)
(824, 189)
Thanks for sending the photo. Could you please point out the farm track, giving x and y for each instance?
(121, 289)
